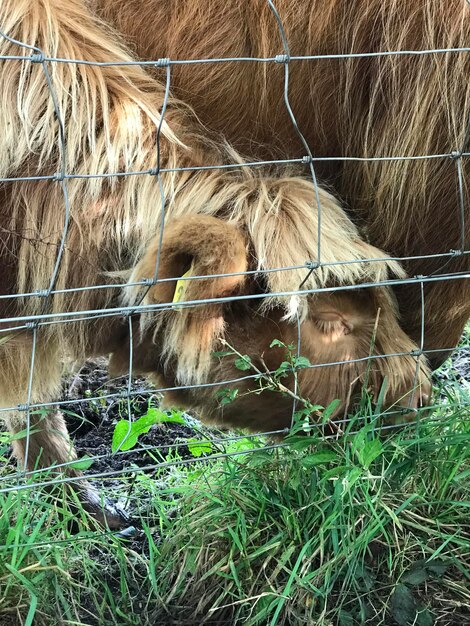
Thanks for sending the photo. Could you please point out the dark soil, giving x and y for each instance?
(91, 424)
(9, 620)
(461, 365)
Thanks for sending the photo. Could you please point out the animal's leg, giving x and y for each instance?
(45, 442)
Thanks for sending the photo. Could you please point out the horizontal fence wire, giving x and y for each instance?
(152, 391)
(31, 323)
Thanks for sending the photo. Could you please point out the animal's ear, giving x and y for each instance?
(192, 246)
(197, 245)
(338, 315)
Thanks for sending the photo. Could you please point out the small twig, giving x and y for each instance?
(276, 385)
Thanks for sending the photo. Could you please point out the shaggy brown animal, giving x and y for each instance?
(358, 107)
(217, 222)
(337, 329)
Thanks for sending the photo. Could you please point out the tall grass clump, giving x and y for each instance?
(362, 530)
(366, 526)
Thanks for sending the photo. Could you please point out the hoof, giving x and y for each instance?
(103, 510)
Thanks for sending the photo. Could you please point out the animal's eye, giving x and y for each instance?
(332, 323)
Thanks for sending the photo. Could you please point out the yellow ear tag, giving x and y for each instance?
(181, 288)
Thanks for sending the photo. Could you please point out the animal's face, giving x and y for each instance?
(345, 337)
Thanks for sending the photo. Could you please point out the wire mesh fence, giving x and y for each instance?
(35, 321)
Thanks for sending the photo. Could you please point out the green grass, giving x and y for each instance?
(327, 535)
(364, 529)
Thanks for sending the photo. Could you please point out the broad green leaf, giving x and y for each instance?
(366, 578)
(437, 567)
(316, 458)
(126, 433)
(226, 395)
(335, 472)
(243, 363)
(198, 447)
(83, 463)
(425, 618)
(301, 362)
(415, 576)
(403, 606)
(330, 409)
(423, 570)
(297, 442)
(258, 459)
(407, 610)
(371, 450)
(124, 437)
(351, 477)
(346, 619)
(175, 417)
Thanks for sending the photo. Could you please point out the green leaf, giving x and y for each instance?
(335, 472)
(302, 415)
(222, 353)
(351, 477)
(123, 436)
(243, 363)
(415, 576)
(175, 417)
(423, 570)
(403, 606)
(126, 433)
(406, 610)
(301, 362)
(371, 450)
(438, 567)
(259, 459)
(21, 434)
(276, 343)
(462, 475)
(425, 618)
(346, 619)
(322, 456)
(299, 442)
(83, 463)
(330, 409)
(366, 578)
(226, 395)
(198, 447)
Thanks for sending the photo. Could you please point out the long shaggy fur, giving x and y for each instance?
(360, 107)
(110, 117)
(177, 346)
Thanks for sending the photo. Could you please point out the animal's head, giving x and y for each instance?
(346, 335)
(358, 334)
